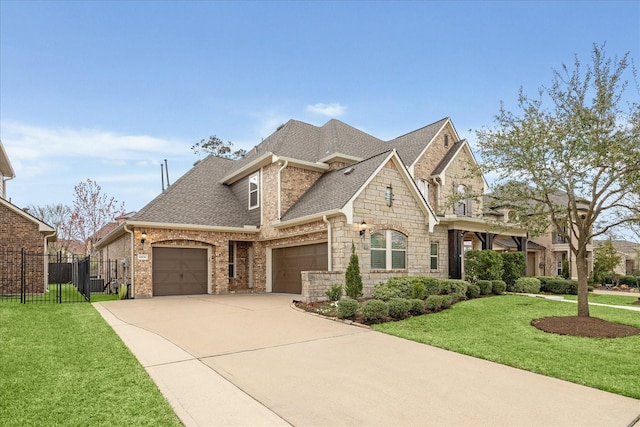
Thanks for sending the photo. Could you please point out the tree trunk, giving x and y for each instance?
(583, 288)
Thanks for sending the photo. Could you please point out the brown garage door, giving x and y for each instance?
(179, 271)
(289, 262)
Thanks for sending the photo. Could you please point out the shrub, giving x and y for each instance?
(498, 287)
(528, 285)
(347, 308)
(473, 291)
(447, 301)
(374, 310)
(557, 285)
(513, 265)
(631, 281)
(483, 265)
(434, 302)
(384, 292)
(353, 279)
(122, 292)
(485, 286)
(431, 286)
(399, 308)
(334, 293)
(417, 306)
(454, 287)
(403, 285)
(418, 291)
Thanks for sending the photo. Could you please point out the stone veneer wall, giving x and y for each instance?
(404, 215)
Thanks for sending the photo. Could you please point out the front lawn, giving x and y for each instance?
(61, 364)
(608, 299)
(499, 329)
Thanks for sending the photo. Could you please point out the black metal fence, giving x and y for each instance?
(29, 277)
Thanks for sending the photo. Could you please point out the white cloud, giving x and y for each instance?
(32, 143)
(333, 110)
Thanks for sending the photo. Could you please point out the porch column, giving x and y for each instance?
(486, 239)
(455, 253)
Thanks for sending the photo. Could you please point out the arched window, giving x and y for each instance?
(388, 250)
(461, 200)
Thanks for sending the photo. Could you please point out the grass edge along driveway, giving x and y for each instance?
(62, 364)
(498, 329)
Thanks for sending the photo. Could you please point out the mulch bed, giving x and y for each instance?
(584, 327)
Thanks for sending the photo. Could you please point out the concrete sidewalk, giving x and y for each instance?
(253, 360)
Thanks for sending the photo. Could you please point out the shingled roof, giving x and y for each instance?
(334, 189)
(412, 144)
(302, 141)
(448, 157)
(198, 198)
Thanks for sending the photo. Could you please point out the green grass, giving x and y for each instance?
(61, 364)
(498, 329)
(608, 299)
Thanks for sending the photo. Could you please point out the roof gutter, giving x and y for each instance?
(307, 219)
(265, 159)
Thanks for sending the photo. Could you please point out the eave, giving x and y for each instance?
(262, 161)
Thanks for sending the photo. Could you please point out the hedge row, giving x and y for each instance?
(558, 285)
(612, 278)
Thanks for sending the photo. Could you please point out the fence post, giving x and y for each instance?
(23, 278)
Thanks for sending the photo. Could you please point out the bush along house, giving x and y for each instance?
(284, 217)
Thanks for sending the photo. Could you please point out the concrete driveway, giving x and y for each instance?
(254, 360)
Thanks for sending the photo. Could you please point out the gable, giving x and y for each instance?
(337, 191)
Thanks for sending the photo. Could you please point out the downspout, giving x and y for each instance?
(46, 259)
(131, 266)
(326, 221)
(286, 162)
(438, 184)
(4, 189)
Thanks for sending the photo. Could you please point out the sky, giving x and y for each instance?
(106, 90)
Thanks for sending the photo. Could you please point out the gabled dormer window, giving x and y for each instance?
(254, 190)
(446, 140)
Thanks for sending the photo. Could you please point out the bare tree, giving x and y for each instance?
(92, 210)
(59, 217)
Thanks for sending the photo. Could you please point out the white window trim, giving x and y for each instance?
(432, 256)
(389, 250)
(257, 190)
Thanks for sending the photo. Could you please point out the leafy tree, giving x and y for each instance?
(513, 266)
(574, 162)
(482, 265)
(59, 217)
(218, 148)
(606, 259)
(92, 210)
(353, 279)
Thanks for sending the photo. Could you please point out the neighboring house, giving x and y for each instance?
(24, 241)
(629, 253)
(546, 252)
(285, 217)
(6, 172)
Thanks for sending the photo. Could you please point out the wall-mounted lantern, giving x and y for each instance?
(388, 195)
(143, 238)
(363, 228)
